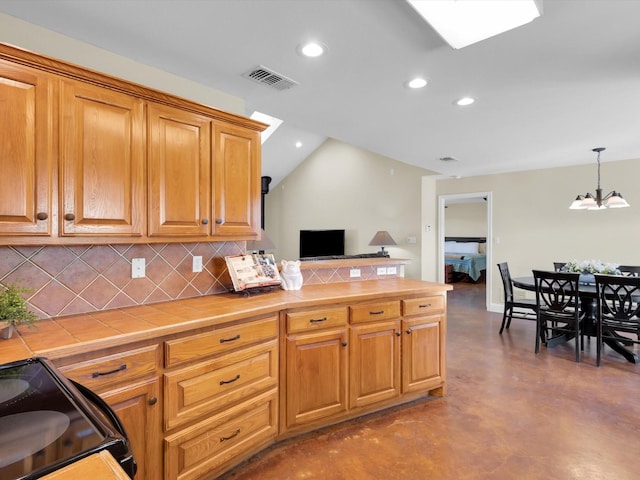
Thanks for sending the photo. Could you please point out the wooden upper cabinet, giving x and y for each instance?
(27, 150)
(236, 174)
(102, 162)
(179, 166)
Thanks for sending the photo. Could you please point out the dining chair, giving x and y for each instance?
(558, 266)
(629, 271)
(524, 309)
(618, 313)
(558, 306)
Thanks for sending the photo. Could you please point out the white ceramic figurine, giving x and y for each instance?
(291, 275)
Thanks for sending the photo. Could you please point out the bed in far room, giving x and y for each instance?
(465, 259)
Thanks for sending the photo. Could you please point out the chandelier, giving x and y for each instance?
(610, 200)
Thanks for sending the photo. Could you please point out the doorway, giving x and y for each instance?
(484, 225)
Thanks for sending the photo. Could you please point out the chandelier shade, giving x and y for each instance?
(588, 201)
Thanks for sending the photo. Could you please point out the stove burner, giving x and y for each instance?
(23, 434)
(11, 388)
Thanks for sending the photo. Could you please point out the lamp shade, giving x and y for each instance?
(381, 239)
(265, 243)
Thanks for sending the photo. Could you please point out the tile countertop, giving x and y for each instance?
(65, 336)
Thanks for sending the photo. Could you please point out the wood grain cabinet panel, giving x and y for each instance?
(422, 353)
(316, 376)
(137, 405)
(211, 386)
(374, 363)
(179, 168)
(211, 446)
(102, 162)
(27, 150)
(236, 174)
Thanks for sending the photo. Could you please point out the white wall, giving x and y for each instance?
(46, 42)
(533, 227)
(466, 220)
(345, 187)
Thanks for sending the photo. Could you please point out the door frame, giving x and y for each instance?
(442, 200)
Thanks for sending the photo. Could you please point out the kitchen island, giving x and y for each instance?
(202, 384)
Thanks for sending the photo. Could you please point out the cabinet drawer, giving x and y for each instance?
(103, 372)
(423, 305)
(369, 312)
(316, 319)
(211, 386)
(209, 447)
(219, 341)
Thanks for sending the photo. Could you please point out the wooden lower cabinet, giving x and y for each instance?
(138, 407)
(211, 446)
(423, 344)
(316, 376)
(374, 362)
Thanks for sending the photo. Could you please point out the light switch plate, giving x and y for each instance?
(392, 270)
(381, 271)
(138, 267)
(197, 264)
(354, 273)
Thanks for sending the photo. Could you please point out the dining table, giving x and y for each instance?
(589, 306)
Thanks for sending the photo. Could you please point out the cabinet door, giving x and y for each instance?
(179, 172)
(236, 182)
(137, 406)
(422, 353)
(316, 371)
(27, 150)
(374, 361)
(102, 162)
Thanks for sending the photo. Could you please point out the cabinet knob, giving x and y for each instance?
(205, 221)
(42, 216)
(408, 331)
(69, 216)
(398, 334)
(153, 400)
(219, 221)
(344, 344)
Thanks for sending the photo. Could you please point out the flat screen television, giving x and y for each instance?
(321, 243)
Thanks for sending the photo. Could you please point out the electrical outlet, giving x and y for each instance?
(354, 273)
(197, 264)
(381, 271)
(138, 267)
(392, 270)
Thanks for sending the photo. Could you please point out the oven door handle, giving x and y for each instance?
(102, 405)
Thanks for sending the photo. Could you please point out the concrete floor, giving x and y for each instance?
(509, 414)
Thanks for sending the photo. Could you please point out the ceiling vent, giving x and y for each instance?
(270, 78)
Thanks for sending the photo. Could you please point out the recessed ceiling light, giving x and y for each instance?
(464, 101)
(417, 83)
(298, 144)
(312, 49)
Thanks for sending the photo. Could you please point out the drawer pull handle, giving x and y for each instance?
(379, 312)
(318, 320)
(224, 382)
(116, 370)
(234, 434)
(232, 339)
(427, 305)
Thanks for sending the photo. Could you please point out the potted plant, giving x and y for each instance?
(14, 309)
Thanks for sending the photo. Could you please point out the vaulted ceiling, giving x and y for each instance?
(547, 92)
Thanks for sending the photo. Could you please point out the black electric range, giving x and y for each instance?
(48, 422)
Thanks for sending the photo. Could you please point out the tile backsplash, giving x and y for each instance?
(74, 279)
